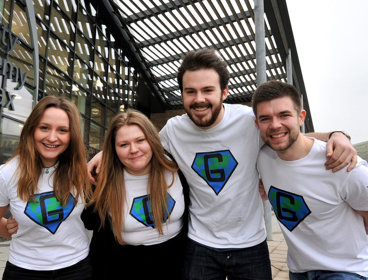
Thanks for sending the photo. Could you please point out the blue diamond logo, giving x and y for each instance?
(215, 168)
(141, 210)
(47, 211)
(290, 209)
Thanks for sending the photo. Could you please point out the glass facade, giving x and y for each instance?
(77, 58)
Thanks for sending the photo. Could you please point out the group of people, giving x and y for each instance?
(184, 203)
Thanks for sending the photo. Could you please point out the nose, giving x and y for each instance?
(52, 136)
(275, 123)
(133, 148)
(199, 97)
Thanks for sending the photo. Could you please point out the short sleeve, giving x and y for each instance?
(355, 188)
(4, 196)
(164, 138)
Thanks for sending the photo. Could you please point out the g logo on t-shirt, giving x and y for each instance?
(47, 211)
(290, 208)
(215, 168)
(141, 210)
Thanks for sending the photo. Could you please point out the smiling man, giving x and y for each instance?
(321, 214)
(216, 146)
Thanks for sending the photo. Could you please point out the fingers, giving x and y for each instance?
(93, 167)
(91, 177)
(12, 226)
(340, 153)
(262, 191)
(353, 163)
(341, 159)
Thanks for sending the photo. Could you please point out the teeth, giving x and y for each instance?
(50, 146)
(277, 135)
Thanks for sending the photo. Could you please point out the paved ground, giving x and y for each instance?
(278, 251)
(277, 248)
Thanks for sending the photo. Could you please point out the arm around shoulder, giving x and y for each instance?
(340, 152)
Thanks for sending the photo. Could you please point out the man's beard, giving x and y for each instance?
(208, 123)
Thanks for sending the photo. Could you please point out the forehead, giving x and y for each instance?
(129, 132)
(275, 106)
(201, 77)
(55, 116)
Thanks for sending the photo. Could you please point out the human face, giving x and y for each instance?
(279, 123)
(133, 150)
(202, 97)
(52, 135)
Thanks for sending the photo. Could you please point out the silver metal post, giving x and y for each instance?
(261, 78)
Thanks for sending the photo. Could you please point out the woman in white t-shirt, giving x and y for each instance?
(44, 185)
(137, 208)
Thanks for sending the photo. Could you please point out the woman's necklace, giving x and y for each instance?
(47, 170)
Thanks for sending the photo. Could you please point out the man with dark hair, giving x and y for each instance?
(216, 146)
(321, 213)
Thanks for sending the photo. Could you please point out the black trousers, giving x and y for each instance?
(163, 261)
(79, 271)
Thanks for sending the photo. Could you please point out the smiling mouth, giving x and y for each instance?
(50, 146)
(200, 108)
(278, 135)
(136, 157)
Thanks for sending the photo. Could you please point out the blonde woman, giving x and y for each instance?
(44, 185)
(138, 205)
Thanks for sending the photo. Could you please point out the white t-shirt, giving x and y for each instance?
(314, 209)
(49, 236)
(139, 226)
(219, 163)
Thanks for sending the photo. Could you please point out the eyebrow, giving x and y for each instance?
(205, 87)
(282, 112)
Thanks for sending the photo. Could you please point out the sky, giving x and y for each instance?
(331, 38)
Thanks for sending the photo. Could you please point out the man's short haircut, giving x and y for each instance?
(204, 59)
(276, 89)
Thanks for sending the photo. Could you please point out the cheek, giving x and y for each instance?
(67, 139)
(148, 150)
(262, 128)
(36, 136)
(121, 155)
(187, 100)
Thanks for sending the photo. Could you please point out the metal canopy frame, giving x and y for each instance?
(160, 32)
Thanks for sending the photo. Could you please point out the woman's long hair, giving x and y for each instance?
(71, 172)
(109, 196)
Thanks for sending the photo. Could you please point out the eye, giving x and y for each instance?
(43, 127)
(263, 119)
(285, 115)
(140, 140)
(64, 130)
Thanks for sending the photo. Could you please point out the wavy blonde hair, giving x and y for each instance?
(71, 172)
(110, 194)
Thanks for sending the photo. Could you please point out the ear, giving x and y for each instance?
(302, 116)
(224, 93)
(256, 122)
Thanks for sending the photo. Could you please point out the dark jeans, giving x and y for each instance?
(326, 275)
(79, 271)
(204, 263)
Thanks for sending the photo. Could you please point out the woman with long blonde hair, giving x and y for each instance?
(137, 207)
(45, 185)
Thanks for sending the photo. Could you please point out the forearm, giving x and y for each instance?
(323, 136)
